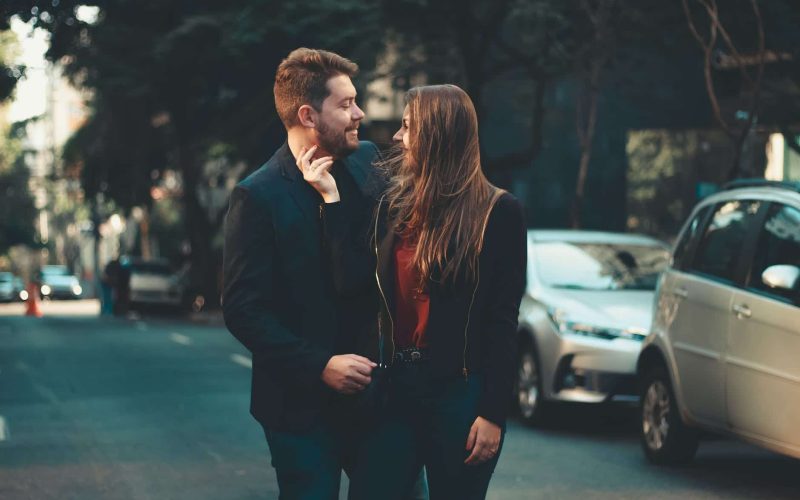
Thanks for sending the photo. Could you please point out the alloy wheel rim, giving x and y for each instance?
(655, 408)
(528, 385)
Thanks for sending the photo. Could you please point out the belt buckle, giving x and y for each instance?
(416, 355)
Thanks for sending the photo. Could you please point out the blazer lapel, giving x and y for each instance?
(366, 176)
(298, 188)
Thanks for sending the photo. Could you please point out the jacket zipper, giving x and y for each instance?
(380, 289)
(469, 314)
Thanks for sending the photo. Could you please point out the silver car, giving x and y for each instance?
(153, 282)
(724, 353)
(584, 316)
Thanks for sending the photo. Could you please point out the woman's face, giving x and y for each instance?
(403, 133)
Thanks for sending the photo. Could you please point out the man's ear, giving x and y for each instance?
(307, 116)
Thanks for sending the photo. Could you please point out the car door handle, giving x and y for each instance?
(742, 311)
(680, 292)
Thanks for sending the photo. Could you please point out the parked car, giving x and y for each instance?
(154, 283)
(584, 316)
(56, 282)
(11, 288)
(724, 353)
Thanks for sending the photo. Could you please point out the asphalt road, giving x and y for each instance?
(157, 408)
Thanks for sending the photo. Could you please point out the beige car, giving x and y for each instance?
(724, 349)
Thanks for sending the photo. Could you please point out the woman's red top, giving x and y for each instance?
(412, 303)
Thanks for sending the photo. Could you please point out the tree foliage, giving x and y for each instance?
(171, 79)
(17, 210)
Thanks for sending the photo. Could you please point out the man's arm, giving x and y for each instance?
(249, 303)
(249, 298)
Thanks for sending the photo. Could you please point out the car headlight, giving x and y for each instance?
(76, 289)
(23, 295)
(565, 325)
(46, 290)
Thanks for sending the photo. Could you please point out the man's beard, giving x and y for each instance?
(334, 142)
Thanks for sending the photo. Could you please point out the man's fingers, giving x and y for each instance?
(479, 454)
(473, 435)
(362, 368)
(358, 378)
(362, 359)
(474, 457)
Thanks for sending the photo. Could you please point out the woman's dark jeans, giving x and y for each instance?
(427, 422)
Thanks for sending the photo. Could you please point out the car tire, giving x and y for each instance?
(528, 386)
(665, 438)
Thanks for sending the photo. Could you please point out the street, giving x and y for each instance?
(157, 408)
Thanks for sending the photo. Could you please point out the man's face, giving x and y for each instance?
(337, 128)
(402, 134)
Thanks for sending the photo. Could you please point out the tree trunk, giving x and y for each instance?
(585, 138)
(198, 227)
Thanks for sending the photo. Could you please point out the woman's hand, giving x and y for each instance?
(317, 173)
(483, 440)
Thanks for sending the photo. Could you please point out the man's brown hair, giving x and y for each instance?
(302, 79)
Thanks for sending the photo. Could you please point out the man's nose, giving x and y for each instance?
(358, 113)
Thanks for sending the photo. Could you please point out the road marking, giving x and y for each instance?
(242, 360)
(3, 429)
(216, 456)
(180, 339)
(40, 389)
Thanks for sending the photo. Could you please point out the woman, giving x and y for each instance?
(447, 258)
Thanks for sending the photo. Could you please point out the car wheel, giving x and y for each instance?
(529, 386)
(666, 440)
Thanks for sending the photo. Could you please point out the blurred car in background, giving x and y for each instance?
(56, 282)
(154, 283)
(585, 313)
(724, 352)
(11, 288)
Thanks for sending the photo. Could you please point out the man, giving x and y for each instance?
(278, 297)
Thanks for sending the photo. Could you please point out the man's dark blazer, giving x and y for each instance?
(278, 298)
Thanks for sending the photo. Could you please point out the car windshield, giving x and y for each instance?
(55, 271)
(599, 266)
(5, 277)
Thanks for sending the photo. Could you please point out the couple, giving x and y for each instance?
(343, 270)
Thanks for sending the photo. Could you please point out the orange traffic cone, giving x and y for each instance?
(33, 308)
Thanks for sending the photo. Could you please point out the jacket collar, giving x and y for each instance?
(369, 185)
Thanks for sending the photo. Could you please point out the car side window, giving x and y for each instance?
(718, 252)
(688, 236)
(778, 244)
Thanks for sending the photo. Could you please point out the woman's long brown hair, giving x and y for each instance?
(438, 194)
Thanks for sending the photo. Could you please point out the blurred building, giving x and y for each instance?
(52, 111)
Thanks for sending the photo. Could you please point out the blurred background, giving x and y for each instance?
(125, 124)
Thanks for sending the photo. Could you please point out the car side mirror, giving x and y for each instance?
(781, 276)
